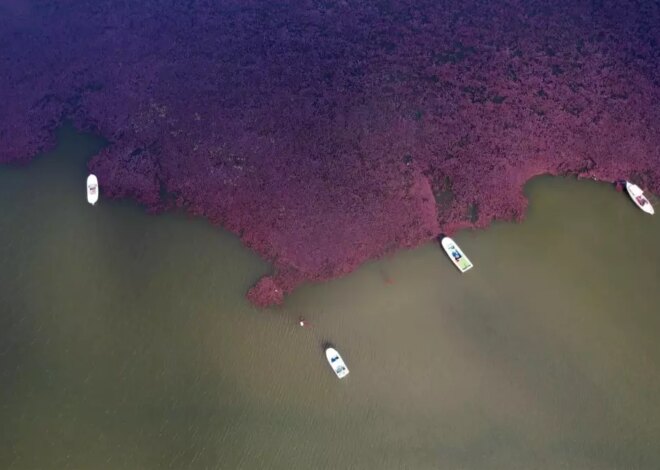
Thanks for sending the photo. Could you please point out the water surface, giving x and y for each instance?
(126, 342)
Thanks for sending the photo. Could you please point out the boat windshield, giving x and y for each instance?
(334, 359)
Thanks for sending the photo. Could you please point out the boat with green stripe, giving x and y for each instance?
(461, 261)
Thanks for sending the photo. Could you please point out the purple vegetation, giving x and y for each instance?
(326, 133)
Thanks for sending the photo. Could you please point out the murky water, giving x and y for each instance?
(126, 342)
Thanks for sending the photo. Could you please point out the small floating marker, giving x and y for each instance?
(92, 189)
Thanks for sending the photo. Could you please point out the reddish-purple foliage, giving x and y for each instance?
(325, 133)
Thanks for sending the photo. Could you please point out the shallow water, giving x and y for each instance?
(126, 342)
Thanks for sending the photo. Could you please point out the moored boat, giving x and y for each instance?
(461, 261)
(92, 189)
(336, 362)
(637, 195)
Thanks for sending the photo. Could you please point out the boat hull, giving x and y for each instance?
(92, 189)
(336, 363)
(637, 195)
(455, 254)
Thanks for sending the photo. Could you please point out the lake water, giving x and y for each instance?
(126, 341)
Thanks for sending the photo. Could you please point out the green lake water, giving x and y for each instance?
(126, 341)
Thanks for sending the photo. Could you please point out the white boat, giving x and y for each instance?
(92, 189)
(336, 362)
(456, 254)
(637, 195)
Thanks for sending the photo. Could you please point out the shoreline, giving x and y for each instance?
(392, 127)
